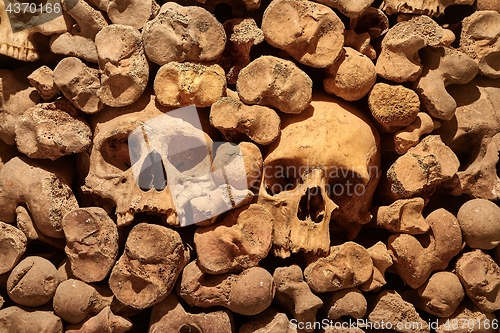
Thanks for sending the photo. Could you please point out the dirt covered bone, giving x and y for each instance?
(91, 243)
(479, 40)
(372, 21)
(180, 34)
(478, 220)
(467, 311)
(12, 246)
(269, 321)
(170, 316)
(350, 9)
(239, 242)
(45, 193)
(135, 14)
(360, 42)
(410, 135)
(104, 322)
(382, 260)
(311, 33)
(145, 274)
(303, 179)
(404, 215)
(275, 82)
(42, 80)
(25, 223)
(431, 8)
(248, 293)
(52, 130)
(345, 302)
(16, 320)
(416, 257)
(399, 60)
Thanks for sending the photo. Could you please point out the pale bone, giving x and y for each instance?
(373, 21)
(181, 84)
(442, 67)
(242, 33)
(21, 45)
(480, 276)
(234, 119)
(409, 136)
(346, 302)
(21, 97)
(293, 293)
(423, 168)
(488, 5)
(123, 66)
(479, 39)
(240, 241)
(104, 322)
(402, 216)
(79, 84)
(399, 60)
(478, 221)
(351, 77)
(275, 82)
(269, 321)
(45, 193)
(391, 308)
(79, 41)
(248, 293)
(177, 34)
(74, 300)
(350, 9)
(431, 8)
(145, 274)
(25, 223)
(382, 260)
(416, 259)
(52, 130)
(441, 294)
(12, 246)
(43, 82)
(348, 265)
(313, 165)
(170, 316)
(33, 282)
(360, 42)
(14, 320)
(393, 106)
(467, 311)
(91, 243)
(311, 33)
(135, 14)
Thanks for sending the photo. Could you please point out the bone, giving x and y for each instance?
(431, 8)
(351, 77)
(79, 84)
(346, 302)
(478, 221)
(415, 260)
(17, 320)
(350, 9)
(274, 85)
(104, 322)
(293, 294)
(247, 293)
(348, 265)
(170, 316)
(467, 311)
(240, 241)
(33, 282)
(399, 60)
(342, 329)
(480, 276)
(360, 42)
(124, 67)
(242, 34)
(145, 274)
(234, 119)
(25, 223)
(409, 136)
(479, 40)
(46, 194)
(91, 243)
(177, 34)
(75, 301)
(373, 21)
(389, 307)
(13, 245)
(488, 5)
(382, 260)
(402, 216)
(393, 106)
(269, 321)
(52, 130)
(431, 163)
(181, 84)
(43, 82)
(135, 14)
(442, 67)
(311, 33)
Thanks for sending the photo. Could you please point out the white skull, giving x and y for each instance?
(324, 166)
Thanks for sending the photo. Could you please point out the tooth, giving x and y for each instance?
(10, 51)
(3, 49)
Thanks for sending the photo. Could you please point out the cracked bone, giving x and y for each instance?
(43, 81)
(402, 216)
(409, 136)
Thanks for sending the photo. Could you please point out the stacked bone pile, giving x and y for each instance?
(344, 168)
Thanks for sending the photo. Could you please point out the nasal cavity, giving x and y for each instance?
(312, 206)
(153, 175)
(186, 328)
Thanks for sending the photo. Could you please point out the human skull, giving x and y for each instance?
(324, 166)
(17, 40)
(148, 158)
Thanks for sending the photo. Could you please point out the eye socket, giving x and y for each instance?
(187, 153)
(281, 176)
(115, 151)
(344, 189)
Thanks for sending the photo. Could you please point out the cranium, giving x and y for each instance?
(17, 40)
(324, 166)
(160, 165)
